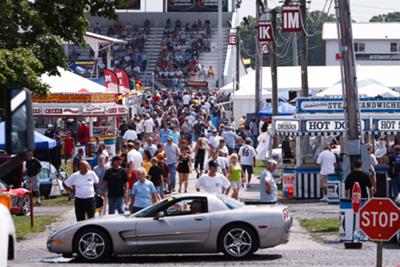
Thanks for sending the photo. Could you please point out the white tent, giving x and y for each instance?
(289, 79)
(319, 77)
(69, 82)
(366, 88)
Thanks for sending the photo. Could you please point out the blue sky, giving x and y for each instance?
(362, 10)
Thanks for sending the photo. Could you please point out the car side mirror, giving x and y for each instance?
(19, 121)
(159, 216)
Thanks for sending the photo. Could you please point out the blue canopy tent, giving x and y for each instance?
(41, 141)
(284, 109)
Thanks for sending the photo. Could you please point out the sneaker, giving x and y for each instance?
(37, 203)
(324, 198)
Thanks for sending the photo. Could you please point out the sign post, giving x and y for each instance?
(380, 221)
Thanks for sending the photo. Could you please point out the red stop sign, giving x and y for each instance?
(380, 219)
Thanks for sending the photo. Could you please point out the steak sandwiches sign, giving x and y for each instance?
(335, 105)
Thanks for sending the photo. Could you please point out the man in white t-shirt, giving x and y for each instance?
(82, 184)
(223, 162)
(213, 140)
(326, 160)
(134, 158)
(130, 134)
(148, 127)
(247, 155)
(214, 182)
(186, 99)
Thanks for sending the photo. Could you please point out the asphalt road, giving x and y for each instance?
(301, 250)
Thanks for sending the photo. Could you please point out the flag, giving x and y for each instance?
(123, 80)
(111, 81)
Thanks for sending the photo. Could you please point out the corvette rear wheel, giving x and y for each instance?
(92, 244)
(238, 241)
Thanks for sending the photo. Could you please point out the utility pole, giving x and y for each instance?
(258, 63)
(237, 58)
(295, 59)
(304, 52)
(273, 65)
(350, 81)
(219, 71)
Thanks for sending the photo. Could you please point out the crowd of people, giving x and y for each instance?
(174, 135)
(180, 49)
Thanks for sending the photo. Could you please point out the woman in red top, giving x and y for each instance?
(68, 146)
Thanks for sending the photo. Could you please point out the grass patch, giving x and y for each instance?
(330, 226)
(57, 202)
(23, 225)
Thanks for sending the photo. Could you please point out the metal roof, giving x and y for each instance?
(365, 31)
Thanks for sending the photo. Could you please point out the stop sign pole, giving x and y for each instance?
(380, 221)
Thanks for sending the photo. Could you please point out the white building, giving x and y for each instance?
(374, 43)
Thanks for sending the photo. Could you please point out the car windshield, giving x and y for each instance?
(230, 202)
(152, 210)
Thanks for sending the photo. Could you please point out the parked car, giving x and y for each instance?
(47, 176)
(20, 199)
(183, 223)
(7, 236)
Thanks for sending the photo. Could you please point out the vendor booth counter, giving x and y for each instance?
(318, 118)
(100, 112)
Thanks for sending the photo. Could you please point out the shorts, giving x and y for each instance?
(235, 185)
(33, 183)
(160, 190)
(248, 169)
(324, 180)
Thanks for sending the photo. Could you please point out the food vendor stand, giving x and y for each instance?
(73, 99)
(319, 118)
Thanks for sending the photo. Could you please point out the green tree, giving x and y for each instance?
(31, 32)
(315, 21)
(389, 17)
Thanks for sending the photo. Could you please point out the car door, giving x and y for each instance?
(180, 230)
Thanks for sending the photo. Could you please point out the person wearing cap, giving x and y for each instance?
(172, 152)
(213, 182)
(247, 155)
(268, 188)
(116, 184)
(50, 132)
(327, 160)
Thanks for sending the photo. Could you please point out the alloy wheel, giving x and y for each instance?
(91, 246)
(237, 242)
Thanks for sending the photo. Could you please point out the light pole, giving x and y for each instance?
(219, 72)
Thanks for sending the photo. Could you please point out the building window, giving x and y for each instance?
(393, 47)
(359, 47)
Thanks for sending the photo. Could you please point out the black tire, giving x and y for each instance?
(238, 241)
(99, 242)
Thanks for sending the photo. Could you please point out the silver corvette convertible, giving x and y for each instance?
(184, 223)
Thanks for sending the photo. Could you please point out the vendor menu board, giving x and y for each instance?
(76, 98)
(196, 5)
(336, 105)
